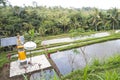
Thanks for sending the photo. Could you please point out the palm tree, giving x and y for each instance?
(95, 20)
(42, 31)
(77, 20)
(64, 21)
(101, 21)
(27, 26)
(113, 17)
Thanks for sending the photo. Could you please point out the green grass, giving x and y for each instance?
(3, 59)
(87, 41)
(77, 44)
(107, 70)
(112, 37)
(80, 43)
(63, 35)
(112, 74)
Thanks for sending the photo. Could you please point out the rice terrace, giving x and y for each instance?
(59, 40)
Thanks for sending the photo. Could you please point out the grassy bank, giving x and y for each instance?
(81, 43)
(107, 70)
(3, 59)
(64, 35)
(39, 46)
(76, 44)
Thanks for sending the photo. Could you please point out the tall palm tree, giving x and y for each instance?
(93, 20)
(76, 20)
(64, 21)
(113, 18)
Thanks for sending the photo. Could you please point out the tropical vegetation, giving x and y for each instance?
(55, 20)
(45, 21)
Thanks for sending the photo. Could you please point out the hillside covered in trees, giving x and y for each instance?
(55, 20)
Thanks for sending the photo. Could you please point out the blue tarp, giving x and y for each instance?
(10, 41)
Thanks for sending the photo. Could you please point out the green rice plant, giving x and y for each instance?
(95, 77)
(55, 77)
(3, 59)
(25, 77)
(111, 75)
(96, 62)
(114, 59)
(107, 75)
(85, 74)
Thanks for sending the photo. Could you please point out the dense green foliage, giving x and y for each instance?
(55, 20)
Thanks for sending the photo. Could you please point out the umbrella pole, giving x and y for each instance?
(30, 58)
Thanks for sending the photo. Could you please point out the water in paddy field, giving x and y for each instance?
(43, 75)
(67, 61)
(71, 39)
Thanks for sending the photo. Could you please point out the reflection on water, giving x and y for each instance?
(67, 61)
(43, 75)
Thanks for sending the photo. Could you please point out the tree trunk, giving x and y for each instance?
(96, 28)
(113, 26)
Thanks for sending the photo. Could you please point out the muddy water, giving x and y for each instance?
(69, 60)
